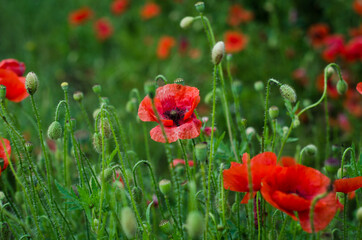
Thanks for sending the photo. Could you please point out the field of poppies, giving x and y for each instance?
(176, 119)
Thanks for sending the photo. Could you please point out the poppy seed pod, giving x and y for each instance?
(288, 93)
(128, 222)
(342, 87)
(195, 224)
(259, 86)
(31, 83)
(55, 130)
(137, 194)
(201, 152)
(218, 52)
(166, 227)
(97, 89)
(2, 92)
(165, 186)
(78, 96)
(359, 214)
(186, 22)
(200, 7)
(273, 112)
(179, 81)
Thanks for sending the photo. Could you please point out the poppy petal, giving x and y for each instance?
(145, 111)
(247, 197)
(4, 152)
(290, 202)
(288, 161)
(359, 87)
(233, 179)
(15, 86)
(347, 185)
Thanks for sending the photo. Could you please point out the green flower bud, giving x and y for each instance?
(342, 87)
(237, 86)
(201, 152)
(128, 222)
(311, 150)
(64, 86)
(288, 93)
(331, 165)
(250, 131)
(55, 130)
(95, 113)
(218, 52)
(31, 83)
(2, 195)
(339, 173)
(150, 89)
(165, 186)
(97, 89)
(137, 194)
(29, 147)
(359, 214)
(108, 175)
(296, 122)
(200, 7)
(78, 96)
(195, 224)
(186, 22)
(273, 112)
(95, 225)
(97, 142)
(2, 92)
(259, 86)
(166, 227)
(106, 128)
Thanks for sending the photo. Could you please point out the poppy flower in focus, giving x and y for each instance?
(5, 151)
(164, 46)
(353, 103)
(80, 16)
(176, 162)
(150, 10)
(15, 85)
(238, 15)
(103, 28)
(236, 177)
(119, 6)
(317, 33)
(334, 48)
(357, 6)
(359, 87)
(353, 50)
(13, 65)
(175, 105)
(235, 41)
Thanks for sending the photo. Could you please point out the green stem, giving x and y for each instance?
(186, 160)
(285, 140)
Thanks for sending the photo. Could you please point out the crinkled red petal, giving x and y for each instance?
(347, 185)
(290, 202)
(145, 111)
(15, 86)
(13, 65)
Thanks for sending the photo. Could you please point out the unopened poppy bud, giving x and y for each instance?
(296, 121)
(179, 81)
(201, 152)
(29, 147)
(250, 131)
(288, 93)
(95, 224)
(64, 86)
(97, 142)
(285, 130)
(165, 186)
(311, 149)
(106, 128)
(166, 227)
(95, 113)
(108, 175)
(150, 89)
(259, 86)
(195, 224)
(186, 22)
(218, 52)
(2, 196)
(97, 89)
(359, 214)
(237, 86)
(200, 7)
(55, 130)
(31, 83)
(340, 174)
(331, 165)
(2, 92)
(137, 194)
(78, 96)
(273, 112)
(342, 87)
(128, 222)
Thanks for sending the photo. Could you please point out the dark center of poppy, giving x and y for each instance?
(176, 115)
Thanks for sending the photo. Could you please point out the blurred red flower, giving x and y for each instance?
(4, 152)
(357, 6)
(300, 75)
(347, 185)
(359, 87)
(207, 131)
(234, 41)
(353, 103)
(175, 104)
(238, 15)
(334, 47)
(164, 46)
(353, 50)
(176, 162)
(331, 84)
(317, 33)
(119, 6)
(355, 32)
(13, 65)
(11, 72)
(103, 28)
(150, 10)
(236, 177)
(80, 16)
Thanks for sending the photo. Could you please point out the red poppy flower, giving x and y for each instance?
(235, 41)
(292, 189)
(353, 103)
(103, 28)
(357, 6)
(334, 47)
(355, 32)
(175, 104)
(317, 33)
(236, 177)
(176, 162)
(207, 131)
(119, 6)
(238, 15)
(4, 152)
(164, 46)
(13, 65)
(353, 50)
(347, 185)
(15, 85)
(359, 87)
(80, 16)
(300, 75)
(150, 10)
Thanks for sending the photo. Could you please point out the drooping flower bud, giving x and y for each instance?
(340, 174)
(31, 83)
(137, 194)
(106, 128)
(95, 113)
(273, 112)
(288, 93)
(128, 222)
(201, 152)
(78, 96)
(311, 149)
(259, 86)
(342, 87)
(186, 22)
(237, 86)
(2, 92)
(200, 7)
(166, 227)
(195, 224)
(331, 165)
(218, 52)
(97, 89)
(55, 130)
(150, 89)
(165, 186)
(97, 142)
